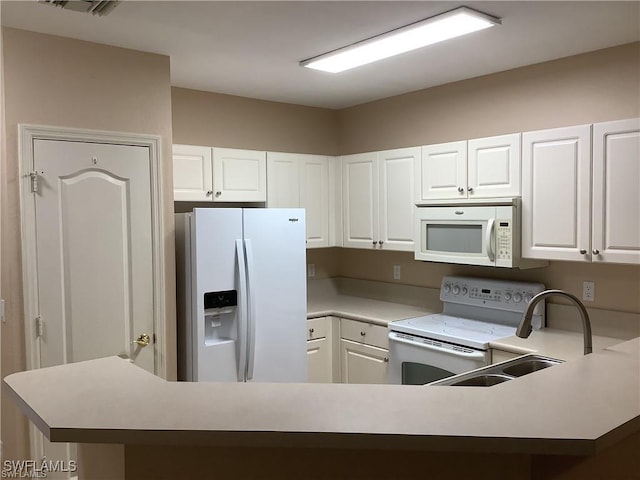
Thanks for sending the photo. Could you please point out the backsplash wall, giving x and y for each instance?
(617, 286)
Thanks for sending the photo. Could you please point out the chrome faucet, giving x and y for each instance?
(524, 329)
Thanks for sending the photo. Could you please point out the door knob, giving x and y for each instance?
(143, 340)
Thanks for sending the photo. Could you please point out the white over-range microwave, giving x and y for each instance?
(484, 232)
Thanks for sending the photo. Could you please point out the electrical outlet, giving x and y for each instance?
(588, 291)
(396, 272)
(311, 270)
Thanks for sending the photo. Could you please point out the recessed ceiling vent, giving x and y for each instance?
(95, 7)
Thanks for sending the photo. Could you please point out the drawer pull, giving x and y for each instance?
(362, 333)
(385, 359)
(311, 330)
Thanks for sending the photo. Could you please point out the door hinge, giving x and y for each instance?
(39, 326)
(34, 182)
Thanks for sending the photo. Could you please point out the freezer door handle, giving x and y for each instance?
(251, 314)
(242, 311)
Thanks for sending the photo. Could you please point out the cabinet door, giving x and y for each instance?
(192, 178)
(556, 194)
(283, 182)
(396, 198)
(616, 192)
(319, 360)
(360, 193)
(494, 166)
(314, 197)
(443, 171)
(362, 363)
(239, 175)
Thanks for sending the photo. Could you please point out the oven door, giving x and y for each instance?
(415, 360)
(456, 235)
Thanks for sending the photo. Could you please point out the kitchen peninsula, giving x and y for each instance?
(579, 418)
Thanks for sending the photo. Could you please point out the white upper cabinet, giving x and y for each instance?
(360, 194)
(239, 175)
(218, 174)
(378, 199)
(494, 166)
(300, 180)
(482, 168)
(616, 192)
(556, 194)
(192, 173)
(396, 198)
(443, 171)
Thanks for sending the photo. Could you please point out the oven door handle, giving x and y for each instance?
(475, 354)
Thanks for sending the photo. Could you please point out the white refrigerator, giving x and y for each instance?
(242, 295)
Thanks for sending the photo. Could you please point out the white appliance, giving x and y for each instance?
(242, 298)
(479, 232)
(476, 311)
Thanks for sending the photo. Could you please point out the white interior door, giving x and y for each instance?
(94, 254)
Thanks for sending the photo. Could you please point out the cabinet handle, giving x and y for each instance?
(460, 189)
(583, 251)
(385, 359)
(209, 193)
(470, 189)
(218, 194)
(363, 333)
(596, 251)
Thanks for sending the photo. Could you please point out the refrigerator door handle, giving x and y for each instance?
(242, 311)
(251, 314)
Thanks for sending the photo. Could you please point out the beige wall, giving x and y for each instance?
(593, 87)
(204, 118)
(63, 82)
(617, 286)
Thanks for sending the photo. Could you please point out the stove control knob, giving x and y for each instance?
(465, 290)
(517, 297)
(456, 289)
(446, 288)
(507, 296)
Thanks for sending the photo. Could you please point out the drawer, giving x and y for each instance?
(363, 332)
(318, 328)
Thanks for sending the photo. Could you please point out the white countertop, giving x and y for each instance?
(575, 408)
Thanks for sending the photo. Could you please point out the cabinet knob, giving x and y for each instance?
(460, 189)
(209, 193)
(470, 189)
(596, 251)
(583, 251)
(311, 330)
(381, 242)
(375, 242)
(218, 194)
(385, 359)
(363, 333)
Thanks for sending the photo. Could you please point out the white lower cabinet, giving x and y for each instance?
(319, 350)
(364, 352)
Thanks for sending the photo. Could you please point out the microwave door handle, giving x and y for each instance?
(489, 237)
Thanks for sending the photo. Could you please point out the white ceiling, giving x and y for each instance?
(252, 49)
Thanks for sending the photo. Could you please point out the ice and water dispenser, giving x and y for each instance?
(219, 316)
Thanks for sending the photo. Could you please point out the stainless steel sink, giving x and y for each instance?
(485, 380)
(500, 372)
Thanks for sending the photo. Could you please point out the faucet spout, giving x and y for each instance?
(524, 329)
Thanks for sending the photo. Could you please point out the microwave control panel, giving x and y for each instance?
(504, 240)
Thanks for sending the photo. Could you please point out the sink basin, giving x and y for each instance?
(482, 380)
(529, 366)
(500, 372)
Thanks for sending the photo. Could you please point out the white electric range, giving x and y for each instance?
(475, 312)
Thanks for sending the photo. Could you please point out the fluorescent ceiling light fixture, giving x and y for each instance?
(454, 23)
